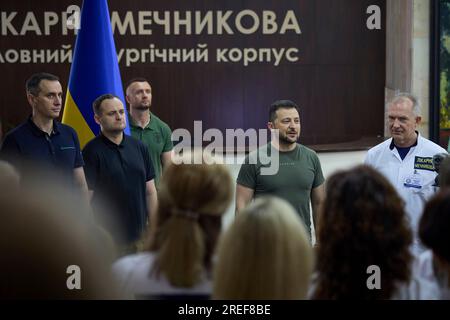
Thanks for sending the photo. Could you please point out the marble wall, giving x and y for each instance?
(408, 52)
(421, 59)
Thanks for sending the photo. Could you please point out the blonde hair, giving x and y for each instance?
(191, 200)
(265, 254)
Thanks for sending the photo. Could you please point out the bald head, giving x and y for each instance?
(139, 95)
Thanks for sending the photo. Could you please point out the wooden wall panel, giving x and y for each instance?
(338, 81)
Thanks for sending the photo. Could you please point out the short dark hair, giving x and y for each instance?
(98, 102)
(32, 84)
(281, 104)
(434, 226)
(129, 83)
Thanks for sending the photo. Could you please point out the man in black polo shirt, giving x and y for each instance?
(120, 174)
(41, 143)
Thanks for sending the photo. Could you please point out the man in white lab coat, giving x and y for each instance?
(407, 159)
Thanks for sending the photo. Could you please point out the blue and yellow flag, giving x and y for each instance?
(94, 71)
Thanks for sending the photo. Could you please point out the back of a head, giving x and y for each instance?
(362, 223)
(43, 243)
(434, 227)
(192, 197)
(444, 174)
(196, 182)
(265, 254)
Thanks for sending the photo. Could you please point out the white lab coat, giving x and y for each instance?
(412, 178)
(424, 270)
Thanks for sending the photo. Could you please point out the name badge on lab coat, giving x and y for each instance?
(413, 181)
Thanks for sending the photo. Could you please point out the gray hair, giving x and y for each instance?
(401, 96)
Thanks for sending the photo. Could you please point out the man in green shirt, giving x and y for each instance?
(147, 127)
(299, 178)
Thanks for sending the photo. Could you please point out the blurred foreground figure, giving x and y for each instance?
(177, 263)
(264, 255)
(434, 231)
(364, 241)
(51, 249)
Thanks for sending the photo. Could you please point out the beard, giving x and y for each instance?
(142, 107)
(285, 140)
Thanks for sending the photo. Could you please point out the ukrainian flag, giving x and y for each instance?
(94, 71)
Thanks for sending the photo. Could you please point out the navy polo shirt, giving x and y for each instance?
(27, 144)
(118, 175)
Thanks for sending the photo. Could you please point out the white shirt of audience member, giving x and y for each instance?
(136, 280)
(424, 270)
(418, 288)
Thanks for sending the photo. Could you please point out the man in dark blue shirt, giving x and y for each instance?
(41, 142)
(120, 174)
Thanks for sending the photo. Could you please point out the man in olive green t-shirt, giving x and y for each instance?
(147, 127)
(299, 178)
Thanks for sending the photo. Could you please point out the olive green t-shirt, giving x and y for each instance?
(157, 136)
(299, 172)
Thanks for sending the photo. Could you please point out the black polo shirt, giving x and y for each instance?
(28, 145)
(118, 175)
